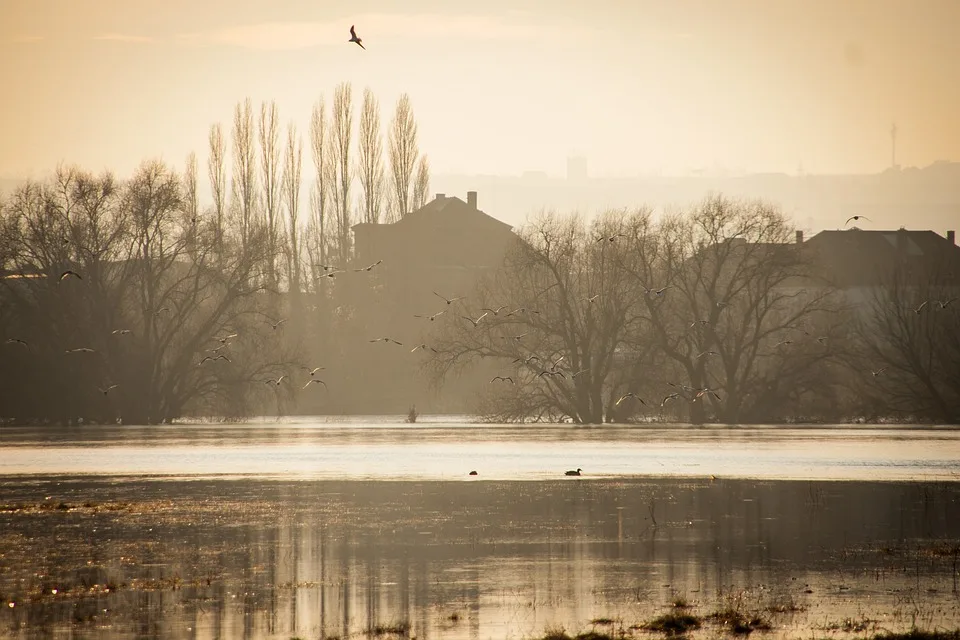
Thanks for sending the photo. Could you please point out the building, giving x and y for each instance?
(441, 250)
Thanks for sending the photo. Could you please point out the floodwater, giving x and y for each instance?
(312, 529)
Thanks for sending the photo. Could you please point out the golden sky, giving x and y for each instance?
(501, 86)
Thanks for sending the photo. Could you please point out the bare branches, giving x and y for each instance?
(269, 134)
(403, 155)
(342, 131)
(291, 196)
(370, 160)
(319, 192)
(217, 171)
(421, 186)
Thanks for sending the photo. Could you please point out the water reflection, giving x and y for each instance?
(464, 560)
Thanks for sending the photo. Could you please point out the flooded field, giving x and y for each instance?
(101, 554)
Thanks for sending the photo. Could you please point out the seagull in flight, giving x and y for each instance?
(612, 238)
(16, 341)
(494, 311)
(354, 38)
(920, 308)
(477, 321)
(332, 274)
(107, 390)
(80, 350)
(219, 357)
(707, 353)
(856, 219)
(504, 378)
(945, 303)
(630, 395)
(672, 396)
(224, 339)
(120, 332)
(277, 323)
(423, 346)
(548, 372)
(314, 370)
(433, 317)
(369, 268)
(593, 298)
(317, 380)
(448, 300)
(878, 371)
(522, 310)
(386, 340)
(67, 274)
(276, 382)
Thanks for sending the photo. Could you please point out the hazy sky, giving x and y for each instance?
(500, 86)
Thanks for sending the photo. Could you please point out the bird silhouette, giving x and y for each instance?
(707, 353)
(224, 339)
(630, 395)
(573, 473)
(503, 378)
(370, 267)
(494, 311)
(448, 300)
(423, 346)
(593, 298)
(16, 341)
(315, 380)
(107, 390)
(945, 303)
(276, 382)
(856, 219)
(120, 332)
(472, 473)
(332, 274)
(477, 321)
(878, 371)
(354, 38)
(672, 396)
(920, 308)
(433, 317)
(67, 274)
(277, 323)
(80, 350)
(386, 340)
(314, 370)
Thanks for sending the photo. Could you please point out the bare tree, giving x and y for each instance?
(403, 156)
(555, 318)
(909, 339)
(271, 178)
(370, 160)
(291, 192)
(191, 200)
(317, 242)
(217, 171)
(342, 123)
(421, 186)
(244, 169)
(731, 300)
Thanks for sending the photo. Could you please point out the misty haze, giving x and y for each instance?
(549, 320)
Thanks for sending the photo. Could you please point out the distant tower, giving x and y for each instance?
(893, 145)
(576, 169)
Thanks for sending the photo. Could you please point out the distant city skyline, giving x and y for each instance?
(637, 88)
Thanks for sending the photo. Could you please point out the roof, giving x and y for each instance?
(855, 257)
(443, 210)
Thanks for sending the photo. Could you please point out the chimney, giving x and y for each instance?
(472, 200)
(441, 196)
(951, 237)
(799, 236)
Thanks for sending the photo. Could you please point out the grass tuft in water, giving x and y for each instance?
(739, 623)
(603, 622)
(401, 628)
(919, 634)
(559, 633)
(673, 623)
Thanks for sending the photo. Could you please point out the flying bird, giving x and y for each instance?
(16, 341)
(433, 317)
(659, 292)
(593, 298)
(80, 350)
(494, 311)
(783, 342)
(314, 370)
(224, 339)
(276, 382)
(669, 397)
(707, 353)
(822, 340)
(448, 300)
(332, 274)
(878, 371)
(378, 261)
(107, 390)
(317, 380)
(68, 273)
(161, 310)
(504, 378)
(856, 219)
(945, 303)
(386, 340)
(423, 346)
(277, 323)
(612, 238)
(120, 332)
(630, 395)
(477, 321)
(548, 372)
(219, 357)
(920, 308)
(354, 38)
(522, 310)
